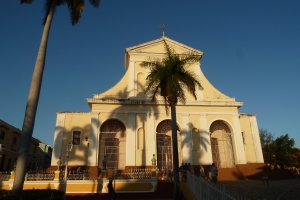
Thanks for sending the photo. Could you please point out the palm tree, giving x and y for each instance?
(169, 79)
(75, 7)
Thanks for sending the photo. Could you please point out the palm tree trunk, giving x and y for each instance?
(175, 152)
(31, 107)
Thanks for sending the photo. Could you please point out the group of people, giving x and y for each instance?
(212, 175)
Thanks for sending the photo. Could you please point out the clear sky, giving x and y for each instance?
(251, 52)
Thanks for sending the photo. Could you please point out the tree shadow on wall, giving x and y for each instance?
(79, 153)
(197, 142)
(142, 107)
(78, 156)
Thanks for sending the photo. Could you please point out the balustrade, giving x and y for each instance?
(82, 175)
(46, 176)
(130, 173)
(135, 173)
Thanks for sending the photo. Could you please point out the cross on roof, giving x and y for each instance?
(163, 28)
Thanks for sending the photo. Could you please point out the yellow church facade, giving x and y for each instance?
(127, 129)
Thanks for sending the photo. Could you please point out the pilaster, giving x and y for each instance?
(131, 140)
(58, 136)
(186, 140)
(238, 145)
(206, 154)
(150, 135)
(256, 140)
(93, 146)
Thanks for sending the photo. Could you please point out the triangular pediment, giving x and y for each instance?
(133, 83)
(157, 47)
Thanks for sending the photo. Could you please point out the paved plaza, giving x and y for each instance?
(276, 190)
(250, 189)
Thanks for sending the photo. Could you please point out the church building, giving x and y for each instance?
(128, 129)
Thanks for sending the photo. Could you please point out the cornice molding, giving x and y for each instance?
(161, 102)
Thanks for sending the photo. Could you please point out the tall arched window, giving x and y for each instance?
(113, 144)
(164, 145)
(221, 144)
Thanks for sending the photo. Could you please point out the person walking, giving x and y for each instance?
(214, 173)
(202, 172)
(111, 191)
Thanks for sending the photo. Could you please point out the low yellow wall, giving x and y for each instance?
(88, 186)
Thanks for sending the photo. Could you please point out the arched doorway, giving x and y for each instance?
(113, 144)
(221, 144)
(164, 145)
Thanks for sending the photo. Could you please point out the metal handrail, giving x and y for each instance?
(46, 176)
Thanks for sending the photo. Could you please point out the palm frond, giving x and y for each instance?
(76, 7)
(169, 77)
(170, 51)
(26, 1)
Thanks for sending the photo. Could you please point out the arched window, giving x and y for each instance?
(221, 144)
(113, 144)
(164, 145)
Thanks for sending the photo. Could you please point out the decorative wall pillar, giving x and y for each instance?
(205, 148)
(131, 140)
(238, 144)
(93, 147)
(150, 135)
(58, 137)
(186, 140)
(256, 140)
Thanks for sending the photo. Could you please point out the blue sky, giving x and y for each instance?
(251, 52)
